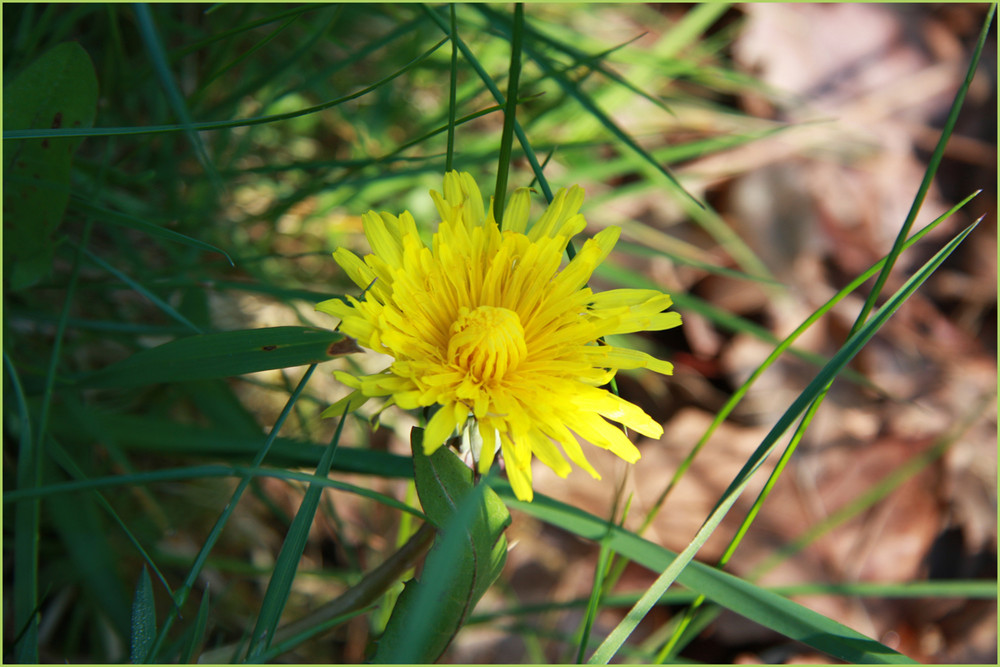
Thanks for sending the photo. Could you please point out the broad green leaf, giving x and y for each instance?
(466, 558)
(143, 619)
(219, 355)
(58, 90)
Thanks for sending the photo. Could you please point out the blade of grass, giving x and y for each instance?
(114, 217)
(968, 589)
(154, 47)
(887, 265)
(199, 472)
(618, 636)
(26, 528)
(165, 307)
(181, 595)
(143, 619)
(498, 96)
(63, 459)
(452, 90)
(778, 350)
(280, 585)
(358, 597)
(697, 618)
(507, 135)
(29, 475)
(197, 630)
(170, 438)
(222, 124)
(585, 101)
(769, 609)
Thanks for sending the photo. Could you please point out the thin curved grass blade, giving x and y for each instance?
(280, 585)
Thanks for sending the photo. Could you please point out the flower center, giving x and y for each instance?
(488, 342)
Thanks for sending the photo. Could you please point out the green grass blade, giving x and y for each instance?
(181, 595)
(765, 607)
(154, 47)
(878, 491)
(29, 475)
(114, 217)
(487, 80)
(280, 585)
(143, 619)
(778, 350)
(197, 634)
(507, 135)
(621, 632)
(588, 104)
(222, 124)
(202, 472)
(166, 437)
(138, 287)
(932, 166)
(26, 529)
(452, 90)
(225, 354)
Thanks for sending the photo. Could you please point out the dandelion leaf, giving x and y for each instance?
(466, 558)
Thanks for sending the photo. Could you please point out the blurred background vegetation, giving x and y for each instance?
(805, 131)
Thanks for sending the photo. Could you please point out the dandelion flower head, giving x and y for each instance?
(488, 324)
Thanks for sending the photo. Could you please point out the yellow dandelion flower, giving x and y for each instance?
(485, 324)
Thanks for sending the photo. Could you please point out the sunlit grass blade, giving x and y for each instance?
(765, 607)
(886, 267)
(620, 634)
(778, 350)
(880, 490)
(932, 166)
(487, 80)
(588, 104)
(280, 585)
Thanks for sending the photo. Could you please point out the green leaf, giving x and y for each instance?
(143, 619)
(465, 560)
(58, 90)
(219, 355)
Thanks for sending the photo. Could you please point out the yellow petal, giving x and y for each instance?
(440, 427)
